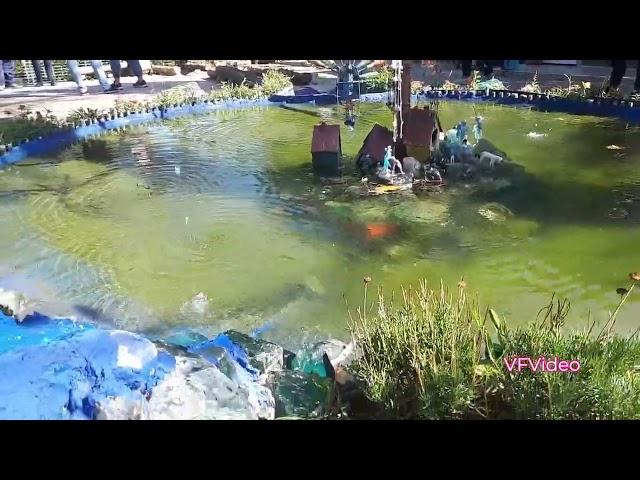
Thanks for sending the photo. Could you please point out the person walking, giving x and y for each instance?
(48, 67)
(7, 74)
(116, 70)
(97, 69)
(619, 68)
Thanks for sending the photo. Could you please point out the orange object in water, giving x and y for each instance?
(379, 230)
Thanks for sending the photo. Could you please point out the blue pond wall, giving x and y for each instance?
(625, 110)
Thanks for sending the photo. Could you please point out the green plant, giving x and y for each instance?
(474, 80)
(131, 105)
(581, 90)
(83, 113)
(29, 124)
(435, 356)
(380, 80)
(273, 82)
(533, 86)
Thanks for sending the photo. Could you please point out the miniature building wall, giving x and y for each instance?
(326, 148)
(420, 133)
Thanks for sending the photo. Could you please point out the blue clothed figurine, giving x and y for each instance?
(461, 130)
(388, 155)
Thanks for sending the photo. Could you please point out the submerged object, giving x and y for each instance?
(326, 148)
(536, 135)
(381, 230)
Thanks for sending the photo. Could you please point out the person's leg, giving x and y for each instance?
(37, 69)
(617, 74)
(100, 75)
(48, 67)
(76, 75)
(9, 73)
(116, 70)
(136, 68)
(466, 68)
(636, 85)
(1, 74)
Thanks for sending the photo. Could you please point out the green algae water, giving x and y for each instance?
(218, 221)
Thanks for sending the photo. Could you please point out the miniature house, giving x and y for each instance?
(326, 148)
(420, 131)
(374, 145)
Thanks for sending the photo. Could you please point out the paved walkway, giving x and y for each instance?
(63, 98)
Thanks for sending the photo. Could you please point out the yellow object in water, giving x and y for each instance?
(390, 188)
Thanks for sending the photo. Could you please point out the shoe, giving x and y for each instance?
(13, 85)
(1, 87)
(140, 84)
(39, 84)
(114, 88)
(83, 90)
(53, 83)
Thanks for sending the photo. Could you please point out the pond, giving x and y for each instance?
(219, 222)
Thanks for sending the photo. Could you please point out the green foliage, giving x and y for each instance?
(28, 125)
(273, 82)
(435, 356)
(379, 81)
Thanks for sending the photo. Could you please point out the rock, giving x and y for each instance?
(165, 70)
(495, 212)
(13, 304)
(258, 357)
(71, 376)
(412, 166)
(188, 68)
(424, 211)
(310, 360)
(354, 191)
(298, 394)
(235, 76)
(195, 391)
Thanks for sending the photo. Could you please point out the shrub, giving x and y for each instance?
(433, 357)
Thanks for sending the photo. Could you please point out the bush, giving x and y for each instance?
(433, 357)
(27, 125)
(380, 81)
(273, 82)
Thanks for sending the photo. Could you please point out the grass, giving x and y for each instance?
(434, 355)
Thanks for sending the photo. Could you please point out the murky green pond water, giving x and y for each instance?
(219, 220)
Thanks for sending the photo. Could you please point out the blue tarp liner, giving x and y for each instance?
(60, 369)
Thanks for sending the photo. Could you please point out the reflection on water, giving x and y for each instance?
(218, 221)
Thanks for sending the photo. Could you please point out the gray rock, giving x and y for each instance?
(263, 356)
(412, 166)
